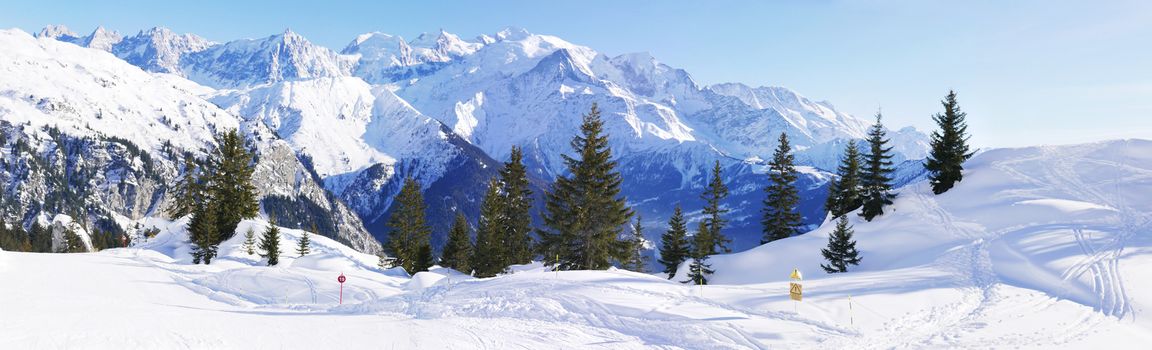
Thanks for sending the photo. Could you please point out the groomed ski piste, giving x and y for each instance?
(1041, 247)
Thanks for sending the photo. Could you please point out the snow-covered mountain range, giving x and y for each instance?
(440, 108)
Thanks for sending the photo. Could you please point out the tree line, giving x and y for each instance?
(585, 218)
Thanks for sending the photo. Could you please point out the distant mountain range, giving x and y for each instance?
(337, 131)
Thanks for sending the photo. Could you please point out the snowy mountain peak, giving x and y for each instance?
(485, 39)
(159, 49)
(451, 45)
(102, 39)
(512, 34)
(59, 32)
(249, 62)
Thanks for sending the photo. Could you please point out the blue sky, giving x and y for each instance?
(1027, 72)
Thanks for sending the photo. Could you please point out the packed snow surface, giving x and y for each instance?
(1044, 247)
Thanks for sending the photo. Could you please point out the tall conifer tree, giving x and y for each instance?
(844, 191)
(584, 211)
(674, 245)
(490, 250)
(713, 209)
(945, 163)
(230, 171)
(781, 220)
(409, 227)
(876, 176)
(517, 206)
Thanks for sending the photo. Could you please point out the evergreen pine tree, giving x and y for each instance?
(409, 228)
(517, 206)
(841, 250)
(945, 163)
(674, 247)
(458, 251)
(712, 196)
(250, 241)
(875, 177)
(270, 243)
(699, 269)
(636, 258)
(230, 183)
(584, 213)
(487, 260)
(302, 246)
(844, 191)
(780, 217)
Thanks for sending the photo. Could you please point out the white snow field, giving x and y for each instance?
(1043, 247)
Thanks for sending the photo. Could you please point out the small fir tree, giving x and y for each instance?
(637, 260)
(250, 241)
(302, 246)
(674, 246)
(458, 251)
(270, 243)
(781, 220)
(876, 176)
(713, 210)
(844, 191)
(841, 250)
(945, 163)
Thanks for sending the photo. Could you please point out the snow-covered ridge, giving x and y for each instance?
(82, 91)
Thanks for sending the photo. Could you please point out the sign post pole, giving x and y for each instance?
(795, 289)
(341, 279)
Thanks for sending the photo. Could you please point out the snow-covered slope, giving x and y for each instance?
(1042, 246)
(1039, 248)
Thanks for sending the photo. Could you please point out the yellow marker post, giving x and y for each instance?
(795, 289)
